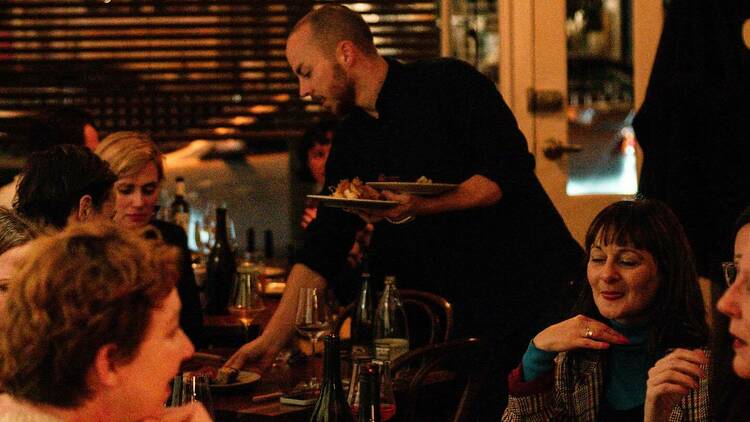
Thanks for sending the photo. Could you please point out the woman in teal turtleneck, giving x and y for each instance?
(635, 349)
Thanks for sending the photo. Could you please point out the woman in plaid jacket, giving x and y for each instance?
(636, 348)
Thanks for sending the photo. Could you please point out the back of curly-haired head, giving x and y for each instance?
(78, 291)
(54, 180)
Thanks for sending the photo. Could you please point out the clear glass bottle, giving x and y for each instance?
(220, 268)
(331, 405)
(179, 211)
(391, 330)
(363, 321)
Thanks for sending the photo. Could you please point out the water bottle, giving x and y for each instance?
(391, 331)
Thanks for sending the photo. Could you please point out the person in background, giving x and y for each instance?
(14, 233)
(635, 351)
(730, 392)
(138, 165)
(694, 123)
(315, 147)
(64, 184)
(55, 126)
(91, 332)
(495, 247)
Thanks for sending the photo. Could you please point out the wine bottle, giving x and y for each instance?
(391, 330)
(369, 394)
(331, 405)
(250, 242)
(179, 211)
(220, 268)
(363, 323)
(268, 244)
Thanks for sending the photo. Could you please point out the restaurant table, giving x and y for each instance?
(260, 401)
(239, 405)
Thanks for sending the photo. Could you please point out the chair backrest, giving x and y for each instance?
(455, 362)
(434, 310)
(423, 310)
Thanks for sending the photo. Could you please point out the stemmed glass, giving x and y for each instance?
(313, 318)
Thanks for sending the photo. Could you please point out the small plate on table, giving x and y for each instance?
(426, 189)
(363, 204)
(244, 379)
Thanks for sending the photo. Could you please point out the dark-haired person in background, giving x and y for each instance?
(694, 124)
(66, 183)
(55, 126)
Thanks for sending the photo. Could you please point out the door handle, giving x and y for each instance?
(555, 149)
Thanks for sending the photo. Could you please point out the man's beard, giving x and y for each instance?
(345, 96)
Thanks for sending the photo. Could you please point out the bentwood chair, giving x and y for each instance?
(430, 317)
(443, 373)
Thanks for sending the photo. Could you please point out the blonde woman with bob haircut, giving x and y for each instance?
(91, 330)
(139, 166)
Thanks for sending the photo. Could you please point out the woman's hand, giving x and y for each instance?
(579, 332)
(308, 215)
(671, 379)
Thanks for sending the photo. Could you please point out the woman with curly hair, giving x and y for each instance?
(91, 330)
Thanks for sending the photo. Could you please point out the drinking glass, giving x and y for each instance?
(313, 318)
(188, 389)
(387, 397)
(245, 302)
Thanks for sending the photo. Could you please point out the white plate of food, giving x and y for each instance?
(414, 188)
(363, 204)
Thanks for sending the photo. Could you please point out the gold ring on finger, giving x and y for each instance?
(589, 333)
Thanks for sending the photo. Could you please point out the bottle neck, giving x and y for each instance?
(331, 365)
(365, 286)
(221, 225)
(179, 189)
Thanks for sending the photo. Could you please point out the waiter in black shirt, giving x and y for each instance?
(495, 247)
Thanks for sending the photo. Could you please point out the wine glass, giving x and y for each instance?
(313, 318)
(187, 389)
(245, 301)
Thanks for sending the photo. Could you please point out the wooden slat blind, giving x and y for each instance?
(181, 69)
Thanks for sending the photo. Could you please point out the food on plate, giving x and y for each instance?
(220, 376)
(355, 189)
(424, 179)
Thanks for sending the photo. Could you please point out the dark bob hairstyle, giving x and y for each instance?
(678, 313)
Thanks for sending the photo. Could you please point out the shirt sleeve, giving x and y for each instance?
(537, 362)
(492, 139)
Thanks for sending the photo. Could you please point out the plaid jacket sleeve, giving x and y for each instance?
(694, 407)
(534, 401)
